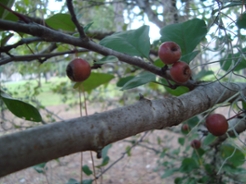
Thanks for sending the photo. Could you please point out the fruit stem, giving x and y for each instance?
(236, 115)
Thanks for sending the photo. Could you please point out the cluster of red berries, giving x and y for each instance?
(170, 53)
(78, 70)
(216, 124)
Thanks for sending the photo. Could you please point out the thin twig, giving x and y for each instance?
(123, 155)
(21, 42)
(38, 56)
(75, 20)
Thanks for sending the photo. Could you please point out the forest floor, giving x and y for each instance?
(138, 168)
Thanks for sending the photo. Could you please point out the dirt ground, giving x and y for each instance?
(135, 169)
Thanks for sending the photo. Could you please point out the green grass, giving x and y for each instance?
(64, 88)
(44, 94)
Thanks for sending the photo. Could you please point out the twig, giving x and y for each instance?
(21, 42)
(123, 155)
(75, 20)
(20, 16)
(38, 56)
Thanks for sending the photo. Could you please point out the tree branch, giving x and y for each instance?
(21, 42)
(50, 35)
(153, 17)
(40, 144)
(75, 20)
(43, 57)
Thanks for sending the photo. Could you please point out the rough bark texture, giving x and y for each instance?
(26, 148)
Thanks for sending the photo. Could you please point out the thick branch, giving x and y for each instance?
(26, 148)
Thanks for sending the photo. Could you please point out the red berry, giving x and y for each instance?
(180, 72)
(78, 70)
(196, 144)
(185, 128)
(216, 124)
(169, 52)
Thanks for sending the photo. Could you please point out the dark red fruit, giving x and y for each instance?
(180, 72)
(185, 129)
(169, 52)
(196, 144)
(78, 70)
(217, 124)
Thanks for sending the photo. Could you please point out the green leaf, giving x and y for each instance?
(61, 21)
(209, 139)
(178, 91)
(128, 151)
(191, 181)
(233, 155)
(208, 168)
(124, 80)
(203, 179)
(190, 56)
(86, 170)
(90, 181)
(233, 61)
(159, 63)
(133, 42)
(3, 12)
(188, 164)
(72, 181)
(187, 34)
(241, 21)
(5, 38)
(87, 26)
(197, 154)
(21, 109)
(139, 80)
(178, 180)
(181, 141)
(176, 151)
(105, 151)
(192, 122)
(234, 170)
(107, 59)
(244, 104)
(95, 80)
(104, 162)
(203, 73)
(168, 173)
(40, 168)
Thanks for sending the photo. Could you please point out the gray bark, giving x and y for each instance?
(27, 148)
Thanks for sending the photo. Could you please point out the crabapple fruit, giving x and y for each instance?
(180, 72)
(185, 129)
(196, 144)
(169, 52)
(216, 124)
(78, 70)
